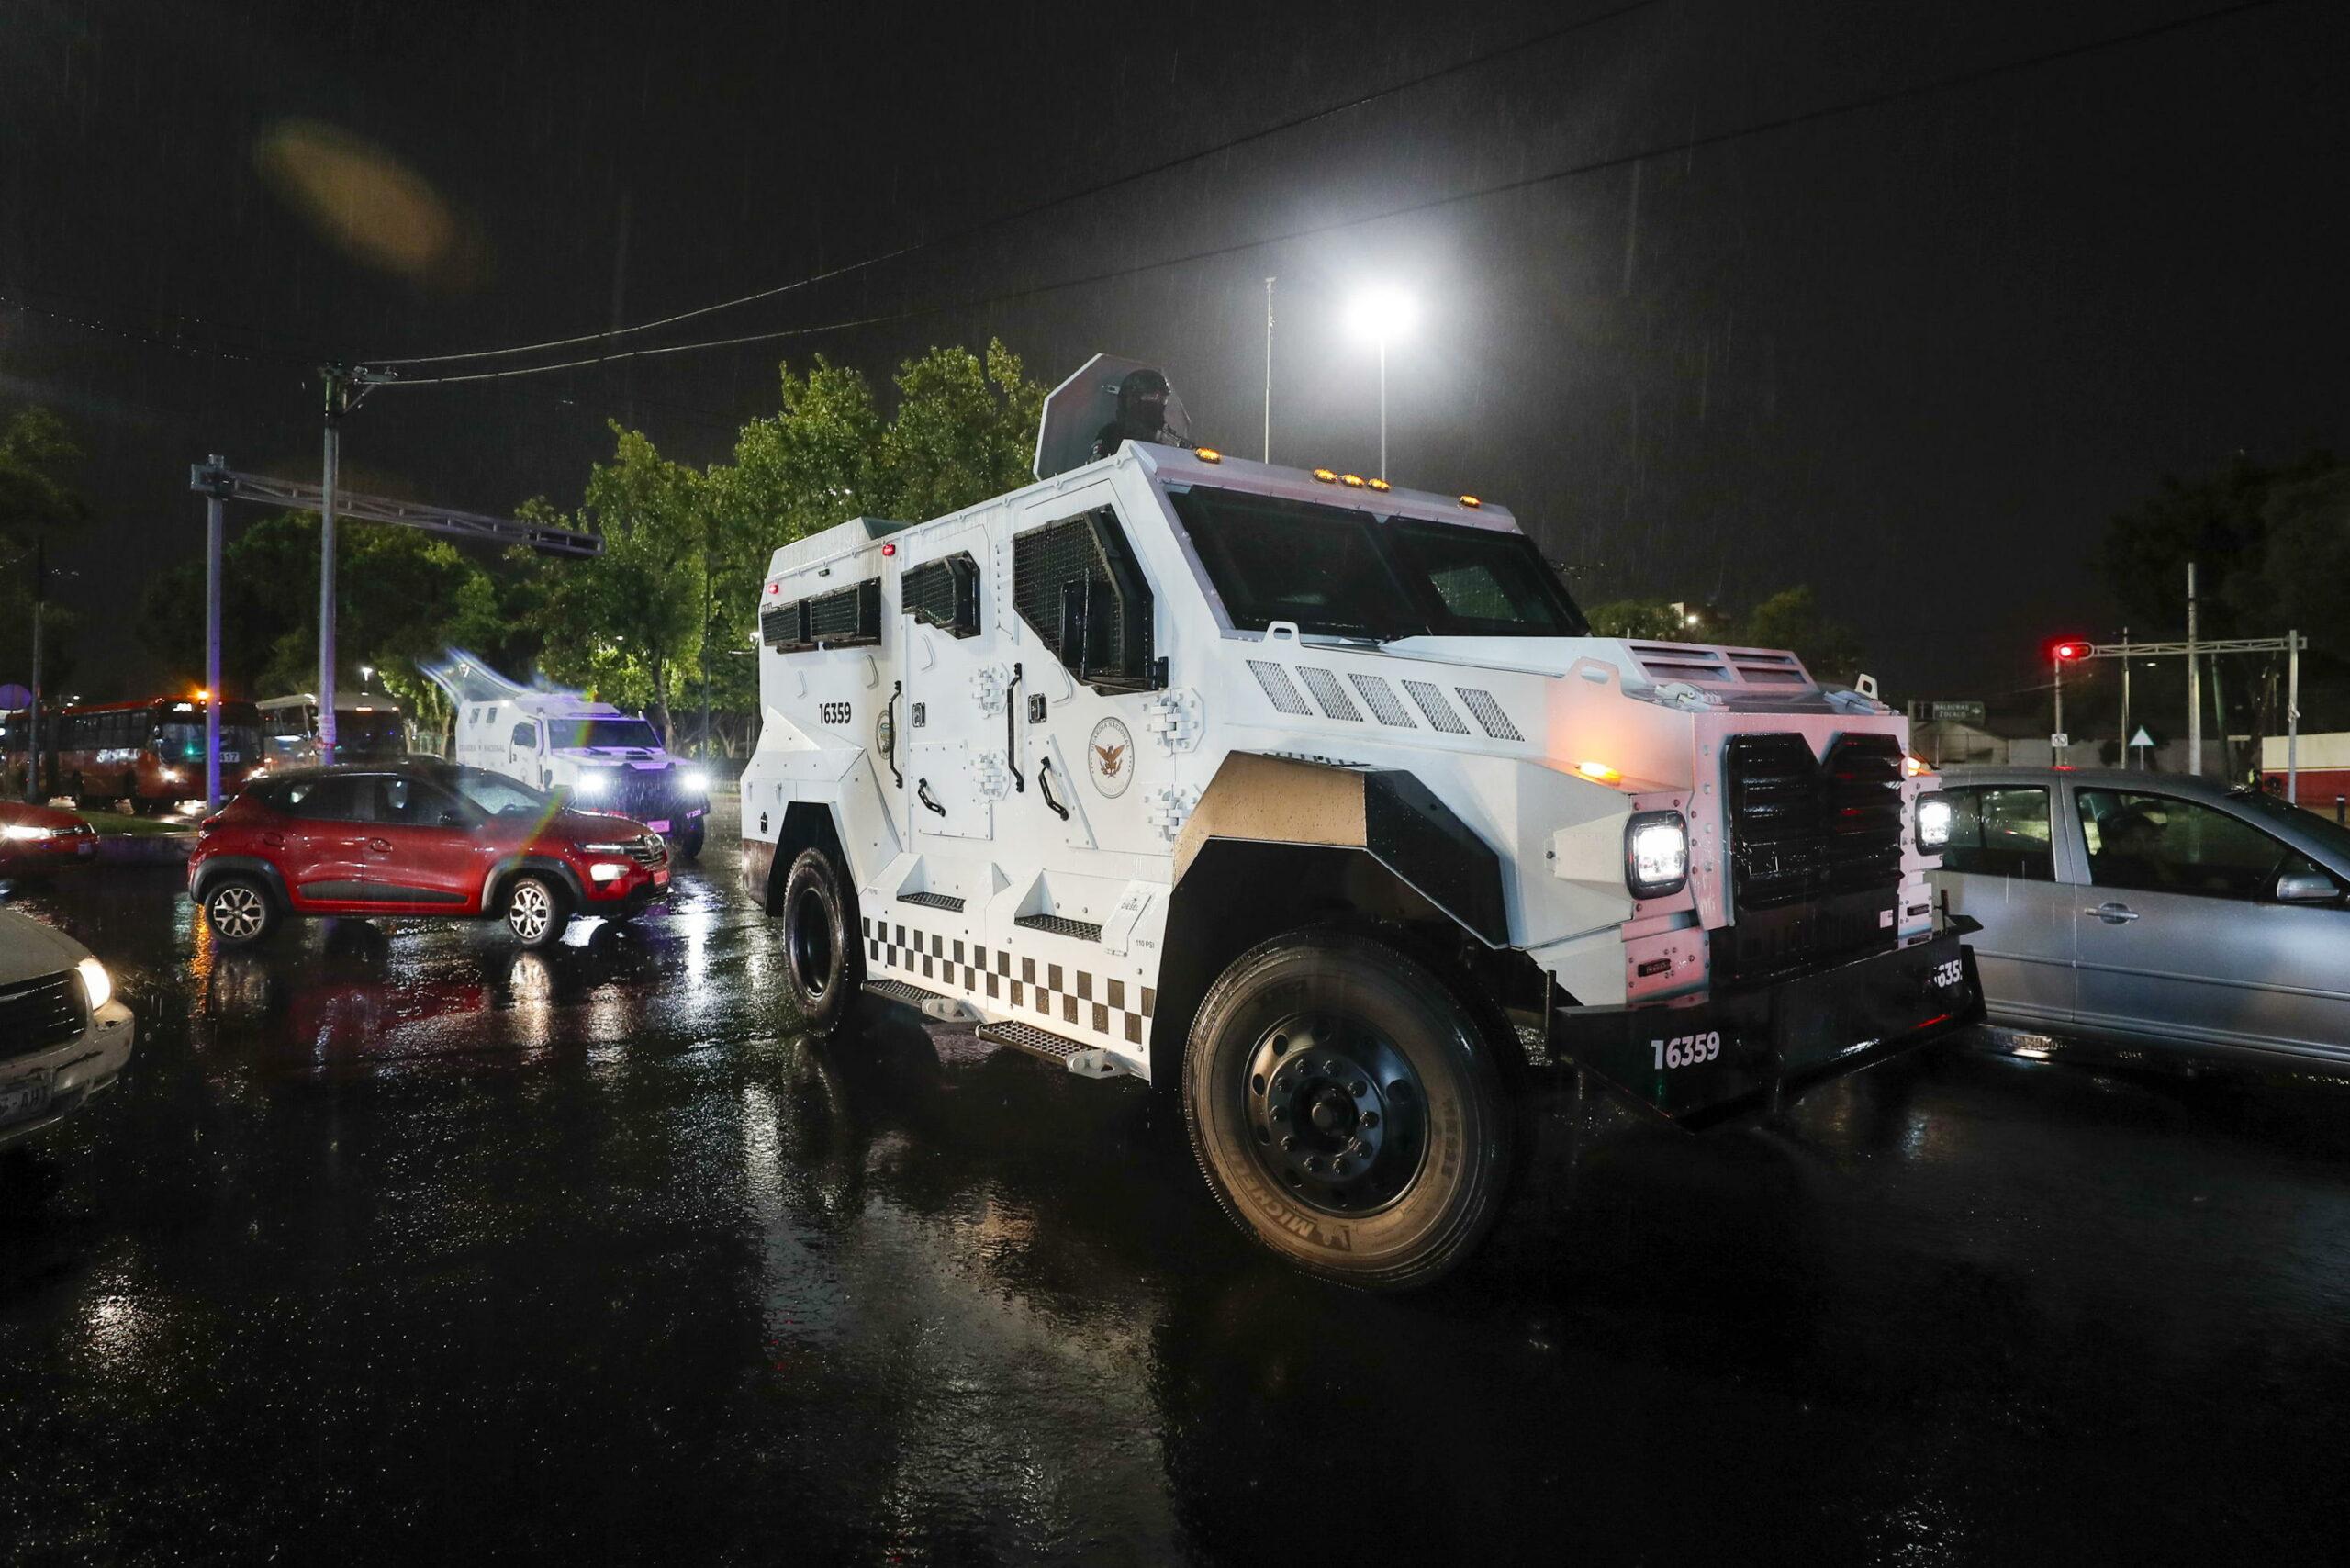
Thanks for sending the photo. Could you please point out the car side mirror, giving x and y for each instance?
(2306, 887)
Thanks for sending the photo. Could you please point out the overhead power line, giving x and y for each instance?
(1048, 204)
(1685, 144)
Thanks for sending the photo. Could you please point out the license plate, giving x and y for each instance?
(661, 826)
(661, 878)
(26, 1098)
(232, 757)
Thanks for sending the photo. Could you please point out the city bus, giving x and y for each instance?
(149, 752)
(366, 728)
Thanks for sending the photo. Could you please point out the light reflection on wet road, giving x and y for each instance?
(399, 1244)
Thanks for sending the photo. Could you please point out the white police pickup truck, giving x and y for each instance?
(607, 760)
(1316, 799)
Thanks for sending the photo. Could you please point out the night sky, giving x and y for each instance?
(1914, 354)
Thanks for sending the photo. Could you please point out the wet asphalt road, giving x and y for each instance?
(399, 1245)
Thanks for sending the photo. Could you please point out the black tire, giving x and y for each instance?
(537, 910)
(688, 844)
(1400, 1158)
(824, 963)
(240, 911)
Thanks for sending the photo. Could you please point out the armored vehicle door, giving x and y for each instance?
(954, 767)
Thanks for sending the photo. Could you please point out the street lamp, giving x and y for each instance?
(1383, 315)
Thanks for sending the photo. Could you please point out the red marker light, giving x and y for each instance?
(888, 549)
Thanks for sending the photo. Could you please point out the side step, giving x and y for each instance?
(946, 1009)
(1083, 930)
(1087, 1061)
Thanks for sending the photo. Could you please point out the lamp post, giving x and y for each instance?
(1383, 315)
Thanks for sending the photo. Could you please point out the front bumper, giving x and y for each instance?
(72, 1071)
(1707, 1058)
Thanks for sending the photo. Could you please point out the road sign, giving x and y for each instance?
(1955, 713)
(13, 696)
(2060, 740)
(2141, 737)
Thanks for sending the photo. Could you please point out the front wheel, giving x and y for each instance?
(822, 961)
(239, 911)
(689, 843)
(1348, 1110)
(536, 912)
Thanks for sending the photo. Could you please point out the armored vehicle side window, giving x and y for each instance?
(1076, 584)
(845, 617)
(944, 594)
(525, 737)
(1484, 580)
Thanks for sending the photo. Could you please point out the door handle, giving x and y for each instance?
(274, 840)
(380, 846)
(2113, 913)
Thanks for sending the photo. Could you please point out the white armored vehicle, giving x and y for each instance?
(1316, 799)
(607, 760)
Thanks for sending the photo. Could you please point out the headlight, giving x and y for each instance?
(606, 872)
(94, 982)
(697, 782)
(1656, 853)
(171, 775)
(1933, 823)
(26, 830)
(594, 783)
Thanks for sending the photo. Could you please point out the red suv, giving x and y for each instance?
(419, 837)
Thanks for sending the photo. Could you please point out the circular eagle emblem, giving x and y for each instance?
(1110, 758)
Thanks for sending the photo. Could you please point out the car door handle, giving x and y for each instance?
(274, 840)
(2113, 913)
(380, 846)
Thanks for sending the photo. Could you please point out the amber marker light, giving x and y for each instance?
(1470, 501)
(1599, 772)
(1208, 454)
(1913, 767)
(1379, 485)
(1327, 476)
(1352, 481)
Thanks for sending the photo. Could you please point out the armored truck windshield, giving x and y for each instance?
(573, 734)
(1340, 573)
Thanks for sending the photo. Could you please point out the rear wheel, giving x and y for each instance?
(689, 843)
(1347, 1108)
(239, 911)
(822, 961)
(536, 910)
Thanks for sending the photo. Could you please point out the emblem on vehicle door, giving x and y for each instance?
(1109, 757)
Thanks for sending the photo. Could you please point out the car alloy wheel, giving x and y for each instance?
(236, 912)
(530, 910)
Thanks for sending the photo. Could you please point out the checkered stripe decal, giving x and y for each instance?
(1055, 994)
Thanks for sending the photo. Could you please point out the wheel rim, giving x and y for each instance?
(1337, 1114)
(808, 936)
(529, 911)
(237, 911)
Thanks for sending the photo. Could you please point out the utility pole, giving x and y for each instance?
(1269, 370)
(2060, 751)
(2194, 686)
(2292, 718)
(33, 791)
(2126, 731)
(211, 479)
(339, 403)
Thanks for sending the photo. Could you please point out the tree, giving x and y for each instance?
(37, 502)
(2222, 524)
(1791, 618)
(1647, 619)
(629, 622)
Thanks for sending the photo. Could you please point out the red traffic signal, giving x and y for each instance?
(2066, 650)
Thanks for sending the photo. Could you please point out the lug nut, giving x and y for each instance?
(1370, 1119)
(1357, 1089)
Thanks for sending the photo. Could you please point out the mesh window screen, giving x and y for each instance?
(944, 594)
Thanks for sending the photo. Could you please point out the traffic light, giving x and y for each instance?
(2069, 650)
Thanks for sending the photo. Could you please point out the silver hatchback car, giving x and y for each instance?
(2153, 908)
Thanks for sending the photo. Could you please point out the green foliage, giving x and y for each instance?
(1792, 618)
(37, 501)
(1648, 620)
(629, 622)
(2222, 524)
